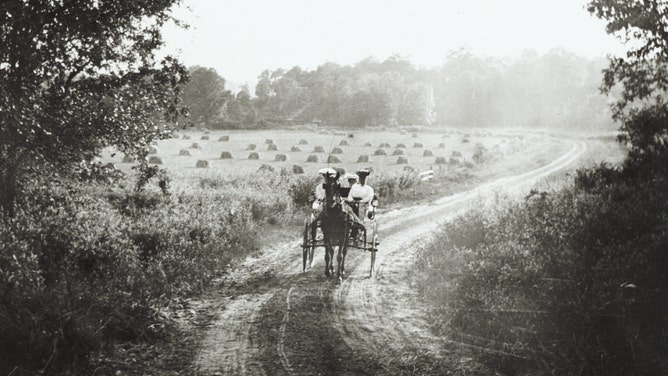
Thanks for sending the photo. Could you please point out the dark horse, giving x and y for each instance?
(335, 225)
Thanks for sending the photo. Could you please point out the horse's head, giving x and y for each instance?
(332, 195)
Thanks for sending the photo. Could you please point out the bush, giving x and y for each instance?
(302, 190)
(574, 281)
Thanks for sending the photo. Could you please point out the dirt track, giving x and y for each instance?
(273, 319)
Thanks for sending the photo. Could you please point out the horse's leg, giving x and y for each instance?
(328, 256)
(343, 248)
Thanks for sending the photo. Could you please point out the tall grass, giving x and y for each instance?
(84, 265)
(566, 282)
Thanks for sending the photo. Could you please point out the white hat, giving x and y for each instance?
(350, 176)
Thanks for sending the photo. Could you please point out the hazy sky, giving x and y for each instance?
(240, 38)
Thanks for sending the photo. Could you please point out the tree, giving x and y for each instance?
(76, 76)
(205, 95)
(642, 74)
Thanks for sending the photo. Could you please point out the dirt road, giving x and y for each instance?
(273, 319)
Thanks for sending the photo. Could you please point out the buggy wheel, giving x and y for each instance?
(307, 250)
(373, 254)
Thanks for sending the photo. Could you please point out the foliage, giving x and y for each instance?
(83, 264)
(642, 107)
(568, 282)
(205, 96)
(75, 78)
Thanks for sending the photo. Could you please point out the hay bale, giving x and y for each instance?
(269, 141)
(152, 150)
(251, 147)
(333, 159)
(202, 164)
(402, 160)
(185, 153)
(427, 153)
(384, 145)
(226, 155)
(367, 144)
(297, 169)
(195, 145)
(363, 159)
(224, 138)
(440, 161)
(186, 137)
(318, 149)
(456, 153)
(312, 159)
(402, 132)
(414, 135)
(337, 150)
(204, 138)
(343, 143)
(128, 159)
(466, 140)
(266, 167)
(154, 159)
(281, 158)
(295, 149)
(418, 145)
(398, 152)
(272, 147)
(350, 135)
(253, 156)
(441, 145)
(401, 145)
(340, 170)
(303, 142)
(455, 160)
(380, 152)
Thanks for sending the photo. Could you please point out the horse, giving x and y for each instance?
(335, 226)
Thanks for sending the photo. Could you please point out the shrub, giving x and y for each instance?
(380, 152)
(333, 159)
(569, 280)
(363, 159)
(297, 169)
(336, 150)
(302, 190)
(185, 152)
(202, 163)
(295, 149)
(224, 138)
(312, 159)
(281, 158)
(318, 149)
(154, 159)
(254, 156)
(225, 155)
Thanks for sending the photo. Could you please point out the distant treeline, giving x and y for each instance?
(555, 90)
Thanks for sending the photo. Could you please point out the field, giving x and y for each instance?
(298, 145)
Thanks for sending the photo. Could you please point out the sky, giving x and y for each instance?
(241, 38)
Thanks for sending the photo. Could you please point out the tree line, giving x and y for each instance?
(555, 90)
